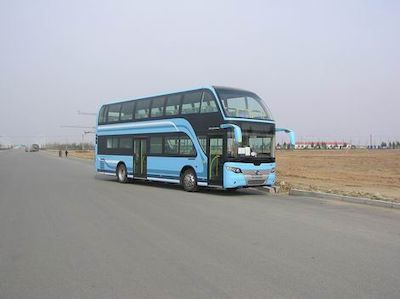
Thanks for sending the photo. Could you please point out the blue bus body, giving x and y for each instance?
(209, 161)
(166, 169)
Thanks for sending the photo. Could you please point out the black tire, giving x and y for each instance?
(189, 180)
(122, 174)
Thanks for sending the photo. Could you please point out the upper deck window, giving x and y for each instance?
(157, 107)
(113, 112)
(243, 104)
(173, 103)
(184, 103)
(208, 103)
(191, 102)
(127, 111)
(142, 109)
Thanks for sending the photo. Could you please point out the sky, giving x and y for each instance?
(326, 69)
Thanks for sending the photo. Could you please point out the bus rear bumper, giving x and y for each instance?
(239, 175)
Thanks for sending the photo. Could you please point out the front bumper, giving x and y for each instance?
(251, 175)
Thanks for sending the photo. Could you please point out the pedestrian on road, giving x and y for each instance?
(66, 153)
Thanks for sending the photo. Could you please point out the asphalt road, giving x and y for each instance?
(66, 232)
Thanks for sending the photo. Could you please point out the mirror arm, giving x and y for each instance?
(236, 130)
(292, 135)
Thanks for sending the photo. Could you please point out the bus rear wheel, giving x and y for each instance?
(189, 181)
(122, 175)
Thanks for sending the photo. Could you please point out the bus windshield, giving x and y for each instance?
(243, 104)
(261, 145)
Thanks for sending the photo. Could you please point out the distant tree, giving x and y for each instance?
(383, 144)
(70, 146)
(398, 144)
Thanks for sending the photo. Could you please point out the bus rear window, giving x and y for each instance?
(102, 115)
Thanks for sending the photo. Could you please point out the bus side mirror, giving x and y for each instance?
(292, 135)
(236, 131)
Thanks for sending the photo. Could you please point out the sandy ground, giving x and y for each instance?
(364, 173)
(367, 173)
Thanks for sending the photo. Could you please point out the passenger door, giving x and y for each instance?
(140, 157)
(215, 149)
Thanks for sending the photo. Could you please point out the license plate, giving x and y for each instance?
(256, 177)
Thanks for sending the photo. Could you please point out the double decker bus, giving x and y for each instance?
(209, 136)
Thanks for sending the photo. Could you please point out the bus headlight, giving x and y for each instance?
(234, 169)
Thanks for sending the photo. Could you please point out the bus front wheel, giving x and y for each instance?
(122, 175)
(189, 180)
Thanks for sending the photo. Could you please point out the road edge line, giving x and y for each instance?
(350, 199)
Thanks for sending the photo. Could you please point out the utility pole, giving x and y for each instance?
(370, 140)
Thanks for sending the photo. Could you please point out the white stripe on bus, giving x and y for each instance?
(163, 180)
(134, 125)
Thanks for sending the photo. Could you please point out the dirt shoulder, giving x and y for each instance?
(365, 173)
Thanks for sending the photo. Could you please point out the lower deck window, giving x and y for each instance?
(125, 142)
(112, 142)
(186, 146)
(171, 145)
(156, 145)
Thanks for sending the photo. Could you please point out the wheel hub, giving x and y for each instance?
(189, 180)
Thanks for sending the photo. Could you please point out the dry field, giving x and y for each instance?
(367, 173)
(82, 154)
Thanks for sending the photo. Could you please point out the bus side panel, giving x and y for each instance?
(108, 163)
(169, 168)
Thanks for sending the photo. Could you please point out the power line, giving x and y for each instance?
(77, 127)
(87, 113)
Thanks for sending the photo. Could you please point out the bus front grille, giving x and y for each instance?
(255, 182)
